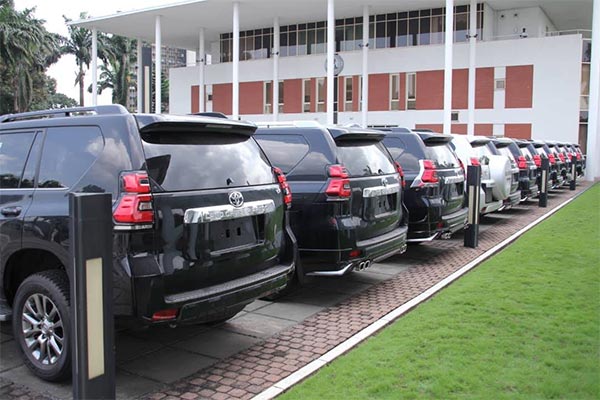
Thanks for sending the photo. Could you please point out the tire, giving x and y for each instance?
(43, 299)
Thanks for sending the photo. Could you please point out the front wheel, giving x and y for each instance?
(42, 324)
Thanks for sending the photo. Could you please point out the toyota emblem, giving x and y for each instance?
(384, 182)
(236, 199)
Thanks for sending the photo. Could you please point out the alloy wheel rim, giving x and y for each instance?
(42, 327)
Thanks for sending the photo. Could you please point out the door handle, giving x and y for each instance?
(11, 211)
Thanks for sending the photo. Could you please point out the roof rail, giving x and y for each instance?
(65, 112)
(283, 124)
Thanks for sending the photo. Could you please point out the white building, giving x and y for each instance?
(518, 68)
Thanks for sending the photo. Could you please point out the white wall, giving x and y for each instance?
(556, 81)
(533, 19)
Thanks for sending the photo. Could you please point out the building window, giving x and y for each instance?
(348, 93)
(500, 84)
(280, 108)
(268, 96)
(411, 91)
(413, 28)
(321, 92)
(394, 91)
(306, 95)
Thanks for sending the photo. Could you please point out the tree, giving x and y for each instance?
(79, 43)
(27, 49)
(116, 74)
(48, 98)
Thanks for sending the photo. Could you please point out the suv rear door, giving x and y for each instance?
(376, 199)
(218, 207)
(449, 170)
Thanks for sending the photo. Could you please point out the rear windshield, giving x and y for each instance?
(506, 152)
(179, 161)
(365, 158)
(442, 156)
(525, 151)
(483, 151)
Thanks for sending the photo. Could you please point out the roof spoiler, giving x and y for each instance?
(434, 139)
(168, 123)
(344, 134)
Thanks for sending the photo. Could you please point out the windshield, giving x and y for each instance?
(179, 161)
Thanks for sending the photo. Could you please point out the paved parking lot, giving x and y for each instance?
(270, 340)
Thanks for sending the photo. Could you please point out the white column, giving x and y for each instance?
(275, 55)
(201, 63)
(235, 98)
(140, 74)
(472, 70)
(330, 55)
(365, 68)
(157, 65)
(94, 67)
(448, 65)
(592, 148)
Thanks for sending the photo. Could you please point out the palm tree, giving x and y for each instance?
(116, 74)
(79, 43)
(26, 50)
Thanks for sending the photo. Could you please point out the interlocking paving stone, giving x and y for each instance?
(217, 343)
(280, 346)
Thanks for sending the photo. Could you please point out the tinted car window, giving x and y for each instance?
(400, 152)
(506, 152)
(365, 159)
(442, 155)
(525, 151)
(190, 161)
(284, 151)
(14, 148)
(483, 151)
(28, 179)
(68, 153)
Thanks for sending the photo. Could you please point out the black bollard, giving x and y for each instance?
(473, 188)
(91, 296)
(543, 199)
(573, 182)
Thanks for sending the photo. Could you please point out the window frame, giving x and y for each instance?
(411, 101)
(395, 102)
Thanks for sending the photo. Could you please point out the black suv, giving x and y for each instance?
(347, 211)
(200, 220)
(434, 192)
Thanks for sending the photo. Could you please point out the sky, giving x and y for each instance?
(52, 11)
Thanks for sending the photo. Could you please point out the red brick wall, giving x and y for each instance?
(292, 96)
(518, 131)
(459, 128)
(434, 127)
(484, 129)
(484, 88)
(519, 86)
(195, 98)
(379, 92)
(430, 90)
(460, 91)
(251, 97)
(222, 97)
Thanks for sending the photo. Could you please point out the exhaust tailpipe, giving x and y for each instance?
(367, 264)
(446, 235)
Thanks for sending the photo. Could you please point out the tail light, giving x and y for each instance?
(134, 209)
(401, 173)
(285, 187)
(537, 160)
(475, 161)
(562, 157)
(427, 176)
(522, 162)
(430, 172)
(578, 156)
(552, 159)
(339, 183)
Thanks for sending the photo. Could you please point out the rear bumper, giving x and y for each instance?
(429, 218)
(455, 221)
(202, 305)
(513, 199)
(338, 262)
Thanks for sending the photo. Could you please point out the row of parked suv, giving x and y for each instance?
(210, 214)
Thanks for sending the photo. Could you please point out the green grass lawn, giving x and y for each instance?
(525, 324)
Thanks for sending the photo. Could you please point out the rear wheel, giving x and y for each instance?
(42, 325)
